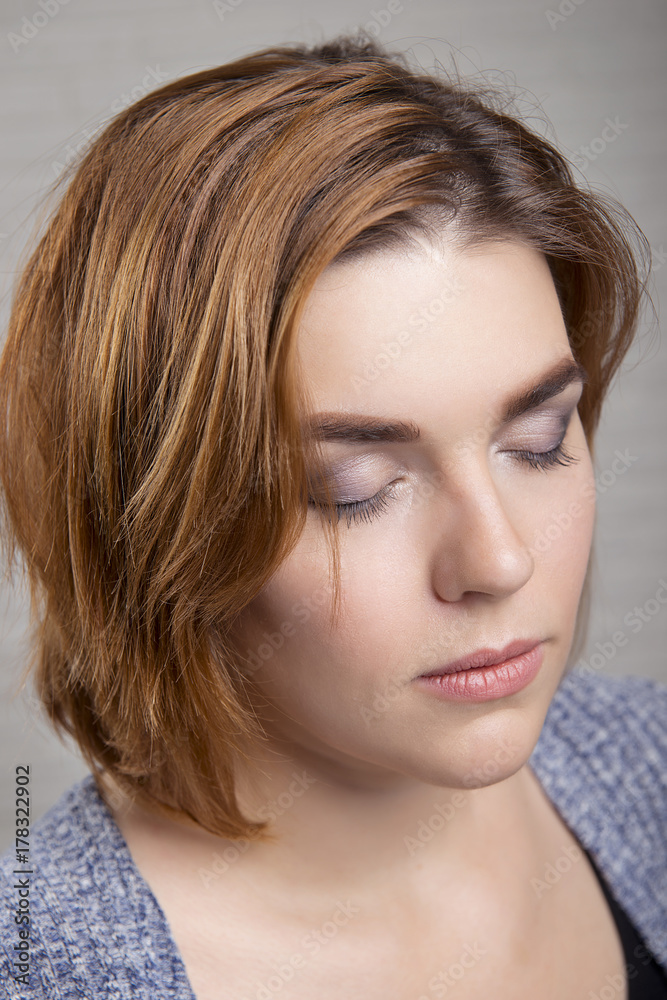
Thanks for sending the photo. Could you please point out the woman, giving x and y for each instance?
(302, 383)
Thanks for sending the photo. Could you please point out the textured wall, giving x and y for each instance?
(595, 69)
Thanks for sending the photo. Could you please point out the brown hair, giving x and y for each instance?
(152, 458)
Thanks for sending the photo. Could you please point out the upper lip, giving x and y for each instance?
(486, 657)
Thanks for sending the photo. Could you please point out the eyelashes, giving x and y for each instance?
(362, 510)
(545, 459)
(358, 511)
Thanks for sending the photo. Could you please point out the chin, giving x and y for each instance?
(483, 752)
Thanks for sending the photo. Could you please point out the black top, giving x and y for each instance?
(647, 980)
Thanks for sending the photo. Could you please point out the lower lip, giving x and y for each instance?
(488, 683)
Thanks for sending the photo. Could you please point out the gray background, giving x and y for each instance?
(573, 65)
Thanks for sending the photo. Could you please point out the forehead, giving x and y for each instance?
(396, 331)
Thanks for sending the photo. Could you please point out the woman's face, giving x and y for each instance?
(478, 534)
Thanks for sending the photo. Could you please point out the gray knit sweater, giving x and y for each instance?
(96, 930)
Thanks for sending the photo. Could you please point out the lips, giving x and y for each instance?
(485, 657)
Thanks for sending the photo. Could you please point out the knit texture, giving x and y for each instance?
(97, 931)
(602, 760)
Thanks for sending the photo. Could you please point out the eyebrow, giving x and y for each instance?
(361, 428)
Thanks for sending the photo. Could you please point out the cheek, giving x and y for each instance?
(289, 610)
(294, 655)
(298, 661)
(562, 530)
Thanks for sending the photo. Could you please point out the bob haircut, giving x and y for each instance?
(153, 456)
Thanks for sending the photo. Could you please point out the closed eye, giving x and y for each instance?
(545, 459)
(358, 511)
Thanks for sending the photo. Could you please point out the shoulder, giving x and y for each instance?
(95, 929)
(611, 730)
(602, 760)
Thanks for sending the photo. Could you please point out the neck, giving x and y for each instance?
(354, 829)
(338, 833)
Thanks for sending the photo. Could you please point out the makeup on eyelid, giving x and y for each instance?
(541, 455)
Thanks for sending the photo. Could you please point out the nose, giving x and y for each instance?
(479, 550)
